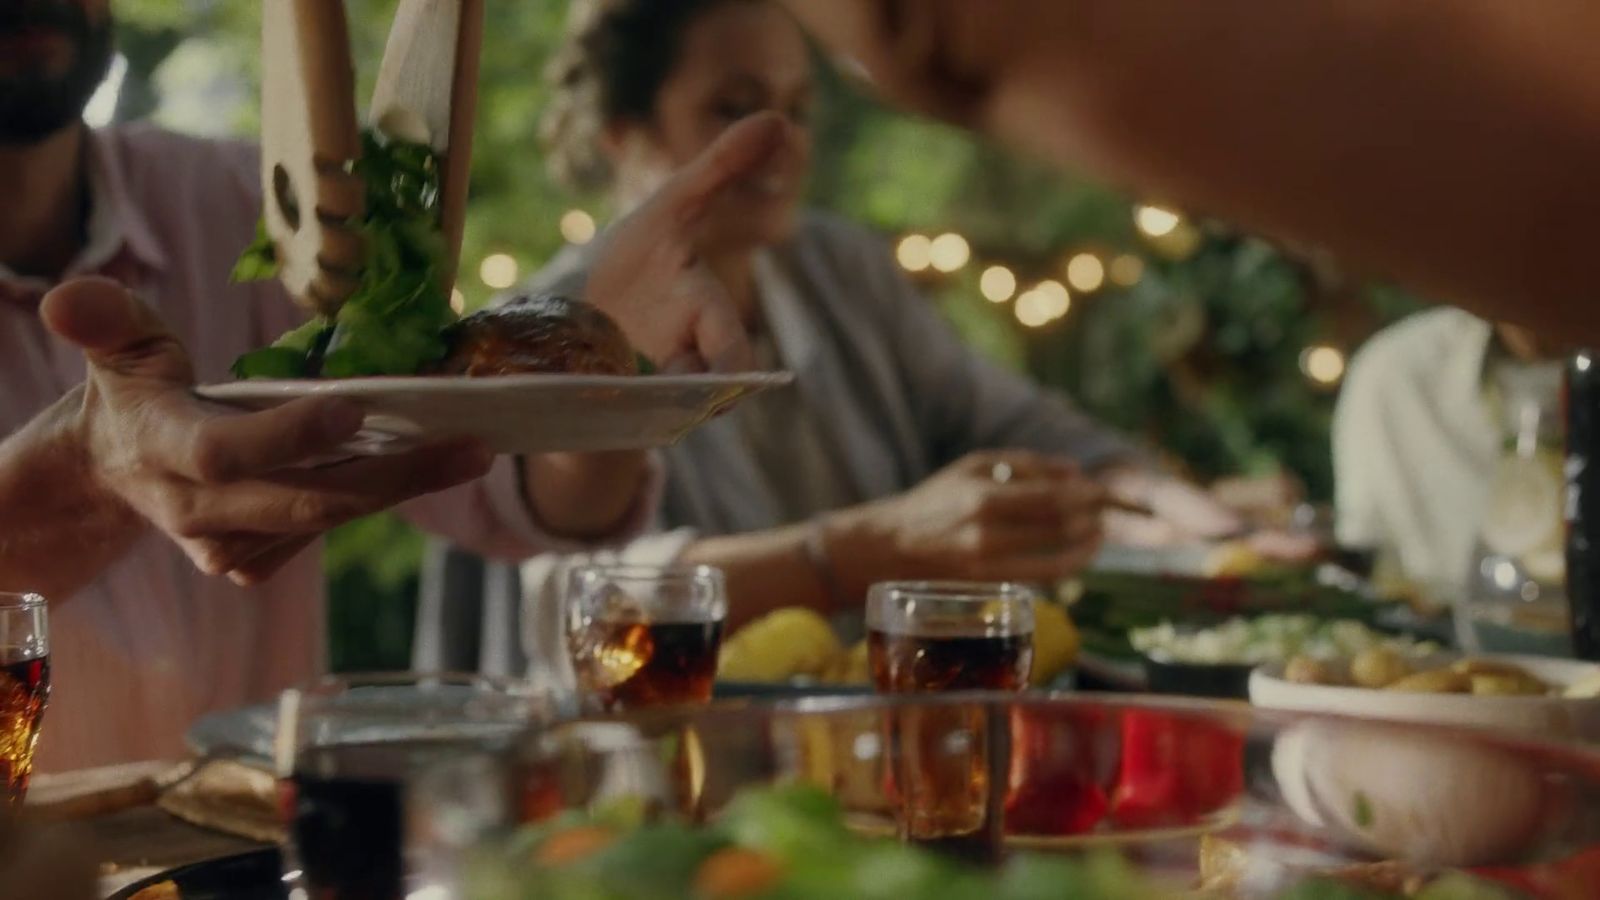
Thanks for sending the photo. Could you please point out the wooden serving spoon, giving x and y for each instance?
(426, 91)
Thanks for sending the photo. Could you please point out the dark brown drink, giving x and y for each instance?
(917, 663)
(346, 812)
(629, 665)
(24, 689)
(943, 758)
(347, 818)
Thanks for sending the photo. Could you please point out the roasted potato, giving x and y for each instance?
(1507, 684)
(1309, 670)
(1495, 678)
(1378, 667)
(1474, 665)
(1432, 681)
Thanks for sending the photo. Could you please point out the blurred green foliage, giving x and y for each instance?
(1201, 356)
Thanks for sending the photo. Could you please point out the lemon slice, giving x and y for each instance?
(778, 646)
(1055, 643)
(1235, 559)
(1524, 511)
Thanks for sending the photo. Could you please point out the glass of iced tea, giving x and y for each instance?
(24, 687)
(348, 748)
(950, 636)
(949, 762)
(644, 636)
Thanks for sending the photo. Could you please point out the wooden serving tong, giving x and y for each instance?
(426, 92)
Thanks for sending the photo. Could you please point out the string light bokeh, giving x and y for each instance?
(949, 252)
(915, 253)
(1165, 233)
(997, 284)
(1086, 273)
(498, 271)
(1126, 270)
(1323, 364)
(577, 227)
(1156, 222)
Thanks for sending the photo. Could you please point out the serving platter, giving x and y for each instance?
(1241, 800)
(247, 732)
(517, 413)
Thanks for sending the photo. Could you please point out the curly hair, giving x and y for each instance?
(614, 59)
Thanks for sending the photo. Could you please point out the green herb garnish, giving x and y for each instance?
(1362, 812)
(395, 322)
(259, 261)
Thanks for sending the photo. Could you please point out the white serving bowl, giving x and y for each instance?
(1534, 716)
(1428, 797)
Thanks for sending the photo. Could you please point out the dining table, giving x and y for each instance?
(127, 820)
(113, 813)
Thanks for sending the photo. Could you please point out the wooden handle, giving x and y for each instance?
(308, 140)
(463, 118)
(427, 91)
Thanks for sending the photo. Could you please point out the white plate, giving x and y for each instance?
(1546, 716)
(518, 413)
(1183, 559)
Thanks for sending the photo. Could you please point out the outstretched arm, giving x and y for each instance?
(132, 448)
(1451, 144)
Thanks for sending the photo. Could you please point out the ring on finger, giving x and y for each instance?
(1001, 473)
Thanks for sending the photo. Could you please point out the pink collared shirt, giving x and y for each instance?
(152, 644)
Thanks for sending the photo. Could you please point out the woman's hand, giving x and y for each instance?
(647, 277)
(1007, 515)
(1183, 512)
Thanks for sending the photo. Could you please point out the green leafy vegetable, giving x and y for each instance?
(271, 362)
(395, 322)
(790, 822)
(259, 260)
(802, 829)
(291, 356)
(650, 862)
(818, 857)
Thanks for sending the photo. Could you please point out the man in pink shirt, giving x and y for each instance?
(116, 484)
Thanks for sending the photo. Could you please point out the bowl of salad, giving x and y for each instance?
(999, 796)
(1217, 660)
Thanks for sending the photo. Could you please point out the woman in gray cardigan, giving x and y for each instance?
(899, 453)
